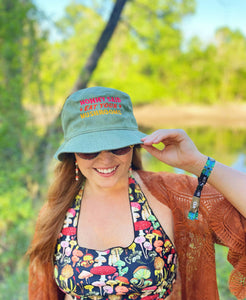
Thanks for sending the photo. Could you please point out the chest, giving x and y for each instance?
(105, 225)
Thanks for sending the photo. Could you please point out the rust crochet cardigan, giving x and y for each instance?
(219, 222)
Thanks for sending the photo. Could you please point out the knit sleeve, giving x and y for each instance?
(229, 228)
(218, 222)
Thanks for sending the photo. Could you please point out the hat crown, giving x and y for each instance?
(96, 119)
(97, 109)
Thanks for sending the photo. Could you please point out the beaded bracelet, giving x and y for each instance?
(202, 179)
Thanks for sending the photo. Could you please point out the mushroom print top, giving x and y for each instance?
(146, 269)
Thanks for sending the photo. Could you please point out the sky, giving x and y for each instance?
(210, 15)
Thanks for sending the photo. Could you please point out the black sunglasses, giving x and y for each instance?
(120, 151)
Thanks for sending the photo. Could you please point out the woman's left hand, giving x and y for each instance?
(179, 150)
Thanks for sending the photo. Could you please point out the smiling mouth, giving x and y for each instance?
(106, 171)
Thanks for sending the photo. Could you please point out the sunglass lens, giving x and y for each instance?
(88, 155)
(121, 151)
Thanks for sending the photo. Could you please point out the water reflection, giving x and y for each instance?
(240, 163)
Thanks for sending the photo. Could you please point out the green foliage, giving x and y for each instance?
(223, 269)
(146, 50)
(18, 43)
(146, 45)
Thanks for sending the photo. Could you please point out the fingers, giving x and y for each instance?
(153, 151)
(164, 135)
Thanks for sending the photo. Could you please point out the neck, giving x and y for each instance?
(93, 190)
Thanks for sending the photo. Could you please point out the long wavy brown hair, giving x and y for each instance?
(60, 196)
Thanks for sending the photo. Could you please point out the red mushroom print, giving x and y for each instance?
(68, 231)
(103, 271)
(71, 212)
(142, 225)
(157, 233)
(131, 180)
(136, 205)
(121, 280)
(149, 290)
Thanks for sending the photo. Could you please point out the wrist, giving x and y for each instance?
(198, 164)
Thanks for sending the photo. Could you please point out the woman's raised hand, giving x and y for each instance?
(179, 150)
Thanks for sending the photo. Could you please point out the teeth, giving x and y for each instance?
(106, 171)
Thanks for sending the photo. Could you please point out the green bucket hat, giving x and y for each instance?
(96, 119)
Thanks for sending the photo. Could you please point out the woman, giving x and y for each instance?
(113, 231)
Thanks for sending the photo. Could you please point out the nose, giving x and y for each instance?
(106, 155)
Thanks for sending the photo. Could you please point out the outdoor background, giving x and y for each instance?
(183, 63)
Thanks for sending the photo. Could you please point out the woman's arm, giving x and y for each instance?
(181, 152)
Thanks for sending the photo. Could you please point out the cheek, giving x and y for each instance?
(127, 160)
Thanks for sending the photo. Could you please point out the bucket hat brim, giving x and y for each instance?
(99, 141)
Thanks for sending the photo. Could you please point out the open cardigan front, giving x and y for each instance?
(219, 222)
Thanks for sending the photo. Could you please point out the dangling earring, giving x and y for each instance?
(76, 171)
